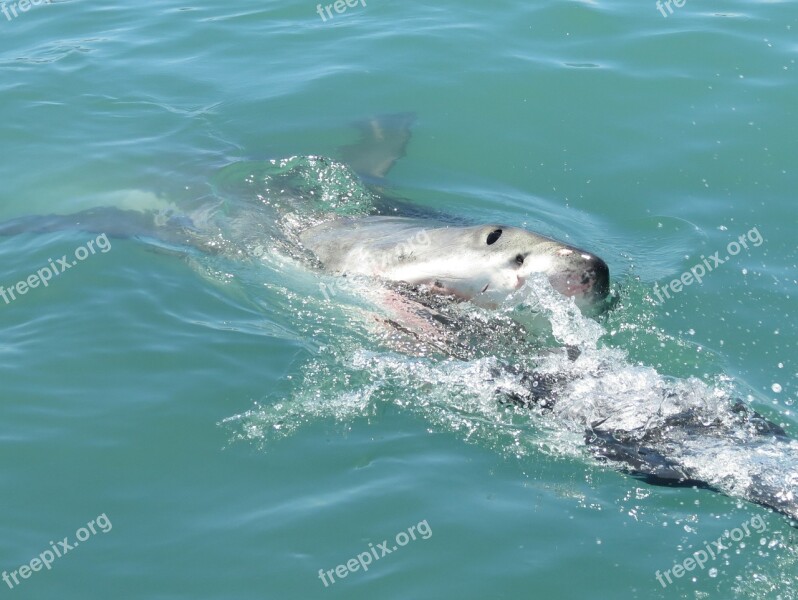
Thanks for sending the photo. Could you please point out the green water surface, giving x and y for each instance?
(650, 140)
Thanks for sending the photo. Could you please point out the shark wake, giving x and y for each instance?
(522, 374)
(534, 373)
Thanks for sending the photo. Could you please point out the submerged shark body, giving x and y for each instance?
(422, 266)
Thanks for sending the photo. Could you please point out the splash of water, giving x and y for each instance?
(454, 386)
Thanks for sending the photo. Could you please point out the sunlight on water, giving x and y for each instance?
(591, 387)
(351, 408)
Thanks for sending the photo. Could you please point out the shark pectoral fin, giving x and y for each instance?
(383, 142)
(638, 460)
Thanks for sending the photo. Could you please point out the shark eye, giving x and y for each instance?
(519, 259)
(493, 236)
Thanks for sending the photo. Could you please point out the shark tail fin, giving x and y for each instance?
(113, 221)
(173, 234)
(383, 141)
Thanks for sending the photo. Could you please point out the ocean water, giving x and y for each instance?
(208, 424)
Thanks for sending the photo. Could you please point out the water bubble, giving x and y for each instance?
(776, 388)
(713, 572)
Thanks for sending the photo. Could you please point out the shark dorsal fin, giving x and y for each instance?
(382, 142)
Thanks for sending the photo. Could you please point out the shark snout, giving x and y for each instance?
(599, 276)
(580, 274)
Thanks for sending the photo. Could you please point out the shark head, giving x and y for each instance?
(485, 264)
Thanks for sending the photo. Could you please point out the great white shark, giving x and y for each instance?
(426, 262)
